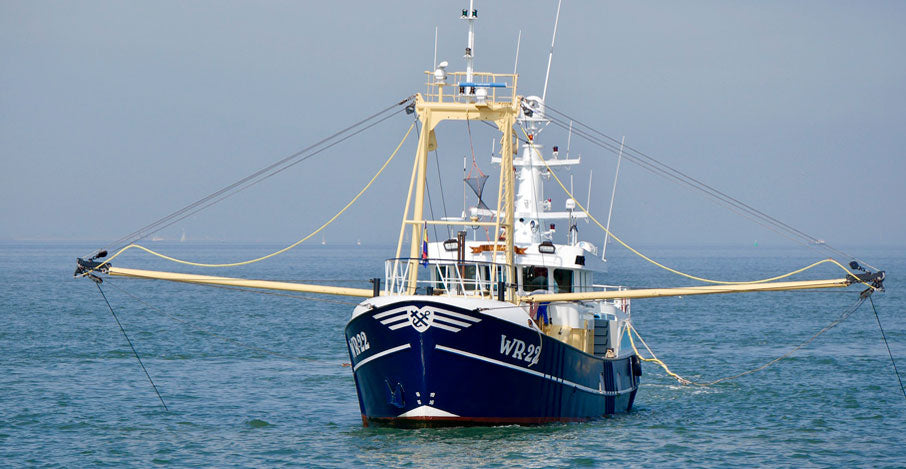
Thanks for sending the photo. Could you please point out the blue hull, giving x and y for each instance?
(427, 363)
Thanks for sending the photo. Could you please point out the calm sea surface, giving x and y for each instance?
(257, 380)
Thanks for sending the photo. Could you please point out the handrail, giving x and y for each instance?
(456, 88)
(466, 278)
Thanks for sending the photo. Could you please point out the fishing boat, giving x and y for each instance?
(502, 323)
(450, 343)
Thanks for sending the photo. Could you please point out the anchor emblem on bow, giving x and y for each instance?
(421, 318)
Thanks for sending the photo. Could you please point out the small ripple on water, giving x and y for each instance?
(258, 423)
(582, 462)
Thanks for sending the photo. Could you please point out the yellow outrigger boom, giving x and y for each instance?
(239, 282)
(874, 278)
(683, 291)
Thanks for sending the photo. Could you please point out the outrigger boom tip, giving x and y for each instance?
(84, 268)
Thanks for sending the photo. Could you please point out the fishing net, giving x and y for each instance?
(477, 183)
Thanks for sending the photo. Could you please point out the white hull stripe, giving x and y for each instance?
(438, 317)
(458, 315)
(393, 319)
(399, 325)
(381, 354)
(443, 326)
(535, 373)
(384, 314)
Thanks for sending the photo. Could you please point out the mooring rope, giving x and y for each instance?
(654, 358)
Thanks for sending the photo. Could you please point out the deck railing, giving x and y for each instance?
(620, 303)
(467, 278)
(444, 277)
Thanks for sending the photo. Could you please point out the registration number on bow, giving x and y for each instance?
(517, 349)
(358, 344)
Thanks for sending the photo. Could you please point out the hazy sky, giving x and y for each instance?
(113, 114)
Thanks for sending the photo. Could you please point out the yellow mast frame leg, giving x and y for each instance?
(432, 113)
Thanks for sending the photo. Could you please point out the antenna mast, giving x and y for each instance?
(470, 15)
(435, 48)
(613, 195)
(550, 57)
(518, 41)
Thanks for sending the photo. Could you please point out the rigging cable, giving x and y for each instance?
(656, 166)
(240, 189)
(443, 199)
(428, 191)
(884, 336)
(683, 274)
(98, 283)
(673, 178)
(280, 251)
(845, 315)
(253, 178)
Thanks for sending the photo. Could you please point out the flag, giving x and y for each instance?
(425, 246)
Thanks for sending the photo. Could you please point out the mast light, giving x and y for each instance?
(546, 247)
(451, 245)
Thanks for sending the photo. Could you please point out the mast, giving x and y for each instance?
(468, 95)
(470, 15)
(506, 168)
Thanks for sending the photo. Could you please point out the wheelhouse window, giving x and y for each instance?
(468, 277)
(563, 280)
(534, 278)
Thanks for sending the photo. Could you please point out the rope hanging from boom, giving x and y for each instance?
(275, 253)
(654, 359)
(97, 282)
(683, 274)
(654, 166)
(260, 175)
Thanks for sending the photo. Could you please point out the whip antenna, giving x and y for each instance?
(613, 195)
(550, 56)
(518, 41)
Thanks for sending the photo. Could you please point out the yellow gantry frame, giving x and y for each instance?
(430, 114)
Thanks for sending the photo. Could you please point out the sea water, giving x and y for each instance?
(259, 380)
